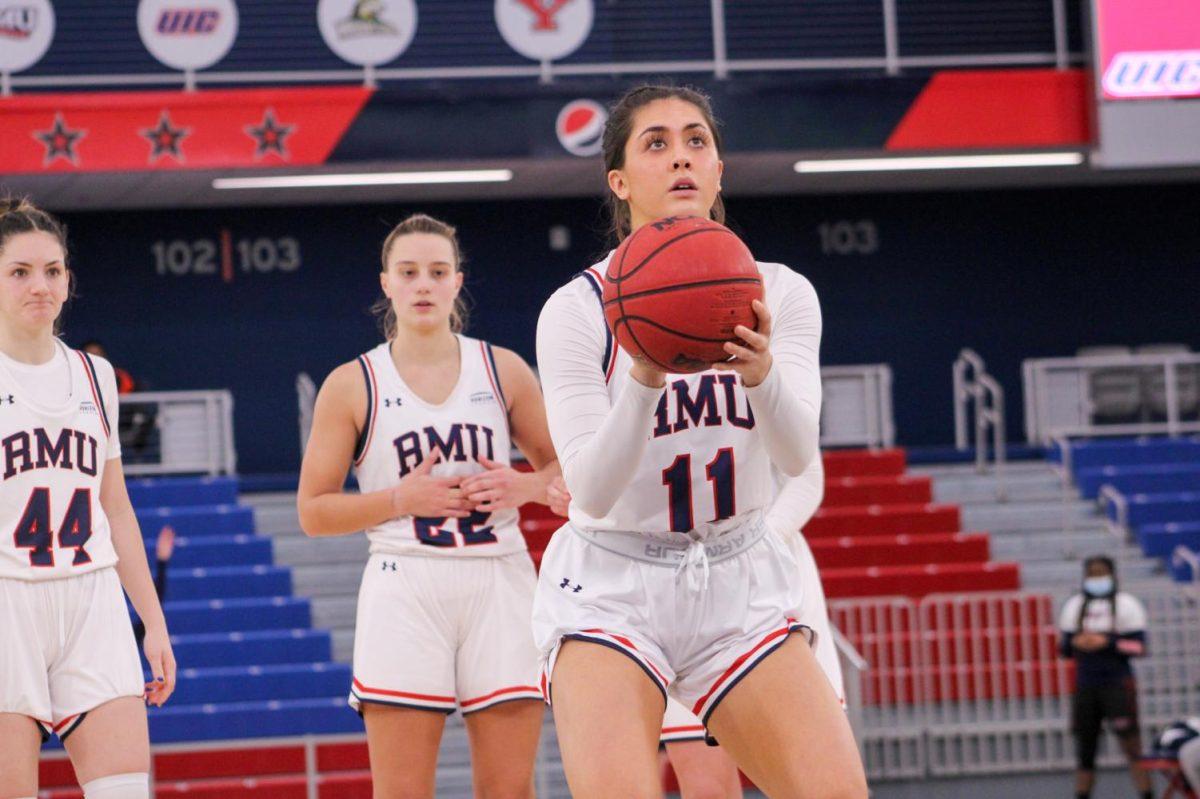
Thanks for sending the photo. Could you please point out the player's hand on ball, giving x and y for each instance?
(751, 352)
(499, 488)
(557, 496)
(157, 648)
(646, 372)
(419, 493)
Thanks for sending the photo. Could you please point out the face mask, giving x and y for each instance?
(1098, 586)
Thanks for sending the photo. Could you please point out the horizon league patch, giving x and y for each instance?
(580, 127)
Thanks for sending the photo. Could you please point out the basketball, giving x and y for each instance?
(676, 289)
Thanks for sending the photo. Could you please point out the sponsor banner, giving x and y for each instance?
(367, 32)
(1148, 48)
(580, 127)
(26, 30)
(544, 30)
(188, 34)
(220, 128)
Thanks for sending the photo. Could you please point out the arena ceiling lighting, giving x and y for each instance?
(916, 163)
(366, 179)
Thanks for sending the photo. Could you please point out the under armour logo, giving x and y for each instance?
(389, 565)
(387, 403)
(566, 584)
(10, 399)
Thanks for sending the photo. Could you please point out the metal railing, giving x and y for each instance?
(973, 684)
(177, 432)
(891, 60)
(1113, 395)
(1185, 558)
(856, 406)
(979, 397)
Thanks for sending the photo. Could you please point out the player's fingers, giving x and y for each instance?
(764, 317)
(722, 366)
(490, 464)
(491, 495)
(756, 340)
(741, 352)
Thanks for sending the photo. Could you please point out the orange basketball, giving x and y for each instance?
(675, 290)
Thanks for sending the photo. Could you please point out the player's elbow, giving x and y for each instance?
(795, 456)
(310, 518)
(595, 506)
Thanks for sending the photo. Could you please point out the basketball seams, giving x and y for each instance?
(681, 286)
(647, 321)
(629, 329)
(650, 256)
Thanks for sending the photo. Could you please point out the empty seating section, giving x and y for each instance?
(250, 663)
(1150, 485)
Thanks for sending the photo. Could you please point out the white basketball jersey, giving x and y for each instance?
(402, 430)
(51, 522)
(705, 464)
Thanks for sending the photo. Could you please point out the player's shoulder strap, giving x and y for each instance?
(592, 277)
(364, 437)
(89, 369)
(493, 375)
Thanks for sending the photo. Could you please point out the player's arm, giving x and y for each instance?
(781, 371)
(501, 486)
(598, 442)
(132, 568)
(798, 498)
(338, 418)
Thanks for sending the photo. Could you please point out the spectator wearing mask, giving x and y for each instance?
(1102, 630)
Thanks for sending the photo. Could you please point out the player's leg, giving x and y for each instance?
(403, 746)
(403, 672)
(608, 714)
(1189, 763)
(504, 743)
(496, 673)
(111, 741)
(1086, 718)
(784, 726)
(22, 738)
(703, 771)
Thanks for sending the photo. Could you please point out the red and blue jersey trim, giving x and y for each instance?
(94, 381)
(489, 366)
(364, 438)
(610, 350)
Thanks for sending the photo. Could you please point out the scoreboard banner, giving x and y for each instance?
(223, 128)
(1148, 48)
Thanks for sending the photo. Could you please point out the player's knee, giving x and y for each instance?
(119, 786)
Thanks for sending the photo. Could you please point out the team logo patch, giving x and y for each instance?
(580, 127)
(17, 22)
(87, 406)
(366, 19)
(480, 397)
(369, 33)
(183, 21)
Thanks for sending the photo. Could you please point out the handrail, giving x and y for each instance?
(1110, 495)
(977, 393)
(187, 432)
(1182, 554)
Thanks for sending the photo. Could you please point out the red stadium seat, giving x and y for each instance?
(293, 787)
(352, 785)
(898, 550)
(861, 462)
(348, 756)
(231, 762)
(867, 520)
(885, 490)
(916, 581)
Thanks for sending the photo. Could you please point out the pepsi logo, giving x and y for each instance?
(580, 127)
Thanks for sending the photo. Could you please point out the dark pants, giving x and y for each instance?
(1091, 705)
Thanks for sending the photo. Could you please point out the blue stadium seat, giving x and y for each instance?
(1157, 508)
(176, 491)
(230, 615)
(198, 521)
(1184, 572)
(222, 550)
(1160, 540)
(1142, 479)
(230, 581)
(254, 648)
(252, 720)
(254, 683)
(1130, 451)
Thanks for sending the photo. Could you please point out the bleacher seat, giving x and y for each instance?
(1160, 540)
(200, 520)
(220, 684)
(1159, 508)
(252, 648)
(262, 719)
(237, 615)
(920, 580)
(1140, 479)
(1093, 453)
(182, 491)
(897, 550)
(217, 550)
(876, 520)
(229, 582)
(864, 463)
(878, 490)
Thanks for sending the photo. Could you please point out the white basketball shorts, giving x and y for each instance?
(695, 630)
(66, 647)
(444, 633)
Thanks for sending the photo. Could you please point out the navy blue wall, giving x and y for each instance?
(1014, 274)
